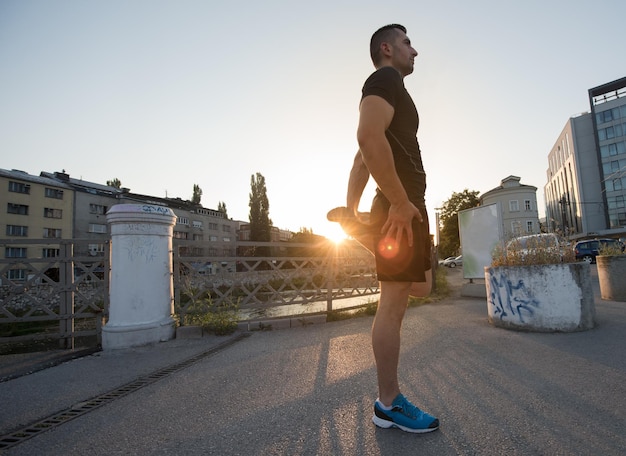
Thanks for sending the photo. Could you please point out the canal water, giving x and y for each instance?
(292, 310)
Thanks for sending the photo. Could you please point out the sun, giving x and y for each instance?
(335, 234)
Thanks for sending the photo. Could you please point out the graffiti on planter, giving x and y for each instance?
(511, 301)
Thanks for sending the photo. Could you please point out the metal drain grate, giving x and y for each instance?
(82, 408)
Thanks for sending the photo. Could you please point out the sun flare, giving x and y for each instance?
(336, 234)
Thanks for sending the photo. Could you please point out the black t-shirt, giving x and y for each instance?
(387, 83)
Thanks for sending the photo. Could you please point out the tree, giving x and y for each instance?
(221, 207)
(260, 223)
(116, 183)
(306, 236)
(197, 194)
(449, 239)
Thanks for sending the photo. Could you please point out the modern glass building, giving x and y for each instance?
(586, 178)
(608, 109)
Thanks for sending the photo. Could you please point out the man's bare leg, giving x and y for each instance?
(386, 337)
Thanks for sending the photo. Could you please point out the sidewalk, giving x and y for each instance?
(310, 390)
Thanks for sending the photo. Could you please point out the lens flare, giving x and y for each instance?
(388, 248)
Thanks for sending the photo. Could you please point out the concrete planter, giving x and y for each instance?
(542, 298)
(612, 277)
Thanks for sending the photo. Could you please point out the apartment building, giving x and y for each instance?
(33, 207)
(57, 206)
(276, 234)
(517, 204)
(585, 192)
(91, 203)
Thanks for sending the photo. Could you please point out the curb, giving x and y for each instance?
(196, 332)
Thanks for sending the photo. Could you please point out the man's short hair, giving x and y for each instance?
(384, 34)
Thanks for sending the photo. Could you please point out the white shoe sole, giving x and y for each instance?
(385, 424)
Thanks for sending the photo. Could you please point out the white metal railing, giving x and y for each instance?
(57, 291)
(294, 277)
(66, 296)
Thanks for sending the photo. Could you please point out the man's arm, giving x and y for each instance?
(375, 117)
(359, 175)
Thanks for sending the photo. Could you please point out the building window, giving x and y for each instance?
(52, 233)
(97, 228)
(198, 237)
(213, 238)
(616, 184)
(96, 249)
(50, 253)
(514, 206)
(612, 150)
(181, 235)
(16, 274)
(516, 228)
(97, 209)
(527, 205)
(182, 221)
(529, 226)
(17, 230)
(226, 239)
(226, 228)
(610, 167)
(48, 212)
(615, 202)
(15, 252)
(197, 224)
(604, 116)
(54, 193)
(617, 220)
(20, 209)
(19, 187)
(213, 226)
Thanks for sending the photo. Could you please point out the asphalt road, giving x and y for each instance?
(310, 391)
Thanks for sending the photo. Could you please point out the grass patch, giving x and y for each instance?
(220, 320)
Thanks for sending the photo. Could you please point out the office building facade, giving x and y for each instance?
(585, 192)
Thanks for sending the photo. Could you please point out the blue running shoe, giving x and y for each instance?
(405, 416)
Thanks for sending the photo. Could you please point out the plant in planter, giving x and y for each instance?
(536, 286)
(611, 262)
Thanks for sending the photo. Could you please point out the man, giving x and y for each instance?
(397, 230)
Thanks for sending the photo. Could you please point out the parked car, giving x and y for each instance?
(532, 242)
(589, 249)
(446, 259)
(453, 262)
(538, 248)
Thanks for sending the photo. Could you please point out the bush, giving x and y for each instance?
(536, 250)
(217, 319)
(220, 320)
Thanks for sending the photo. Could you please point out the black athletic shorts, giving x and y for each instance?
(400, 263)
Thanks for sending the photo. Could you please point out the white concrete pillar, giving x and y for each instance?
(141, 288)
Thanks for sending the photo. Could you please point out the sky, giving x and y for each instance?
(163, 95)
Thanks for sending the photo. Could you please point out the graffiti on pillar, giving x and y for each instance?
(511, 301)
(141, 248)
(156, 209)
(141, 227)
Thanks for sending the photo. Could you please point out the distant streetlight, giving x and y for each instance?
(437, 209)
